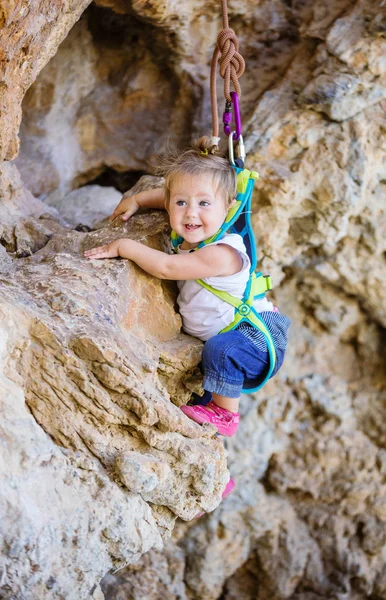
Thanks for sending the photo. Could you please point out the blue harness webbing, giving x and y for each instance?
(238, 221)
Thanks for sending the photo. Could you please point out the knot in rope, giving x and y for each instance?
(232, 64)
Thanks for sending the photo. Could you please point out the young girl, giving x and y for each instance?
(200, 188)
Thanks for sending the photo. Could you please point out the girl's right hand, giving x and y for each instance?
(127, 207)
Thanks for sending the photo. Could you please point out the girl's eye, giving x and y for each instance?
(180, 202)
(204, 203)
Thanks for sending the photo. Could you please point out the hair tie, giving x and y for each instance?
(204, 152)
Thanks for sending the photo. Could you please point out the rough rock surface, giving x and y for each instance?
(31, 32)
(86, 205)
(88, 379)
(95, 347)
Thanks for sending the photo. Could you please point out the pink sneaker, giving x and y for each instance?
(224, 420)
(230, 486)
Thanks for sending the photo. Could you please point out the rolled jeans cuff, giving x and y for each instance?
(231, 389)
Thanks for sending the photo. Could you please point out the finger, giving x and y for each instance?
(98, 255)
(117, 210)
(113, 217)
(94, 251)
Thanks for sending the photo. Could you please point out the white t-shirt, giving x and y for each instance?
(204, 314)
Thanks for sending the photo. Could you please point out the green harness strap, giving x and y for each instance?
(257, 285)
(244, 311)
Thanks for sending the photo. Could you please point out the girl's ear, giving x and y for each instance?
(232, 203)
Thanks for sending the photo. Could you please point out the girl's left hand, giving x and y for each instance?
(109, 251)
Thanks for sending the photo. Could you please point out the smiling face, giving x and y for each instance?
(197, 208)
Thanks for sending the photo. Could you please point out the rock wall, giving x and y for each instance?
(31, 34)
(94, 365)
(88, 379)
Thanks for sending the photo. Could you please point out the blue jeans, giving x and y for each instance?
(229, 358)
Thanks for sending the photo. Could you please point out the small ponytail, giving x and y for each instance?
(207, 145)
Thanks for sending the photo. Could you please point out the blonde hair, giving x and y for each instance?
(200, 159)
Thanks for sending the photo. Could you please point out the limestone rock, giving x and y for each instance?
(86, 205)
(75, 343)
(96, 95)
(26, 224)
(31, 34)
(96, 347)
(45, 500)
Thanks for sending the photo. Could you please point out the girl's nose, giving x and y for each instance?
(191, 210)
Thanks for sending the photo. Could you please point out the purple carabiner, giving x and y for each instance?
(235, 100)
(227, 117)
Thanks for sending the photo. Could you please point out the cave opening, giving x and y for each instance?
(120, 181)
(99, 113)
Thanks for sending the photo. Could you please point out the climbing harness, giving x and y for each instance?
(238, 219)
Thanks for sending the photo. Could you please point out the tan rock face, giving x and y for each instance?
(96, 348)
(93, 385)
(105, 80)
(31, 34)
(45, 498)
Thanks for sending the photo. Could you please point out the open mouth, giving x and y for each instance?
(191, 227)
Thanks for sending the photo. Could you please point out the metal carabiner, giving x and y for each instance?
(241, 148)
(230, 149)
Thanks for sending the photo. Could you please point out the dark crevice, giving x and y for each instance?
(130, 32)
(121, 181)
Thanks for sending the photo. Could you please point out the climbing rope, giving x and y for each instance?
(232, 66)
(238, 220)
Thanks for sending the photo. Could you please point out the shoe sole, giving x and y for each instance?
(231, 485)
(219, 432)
